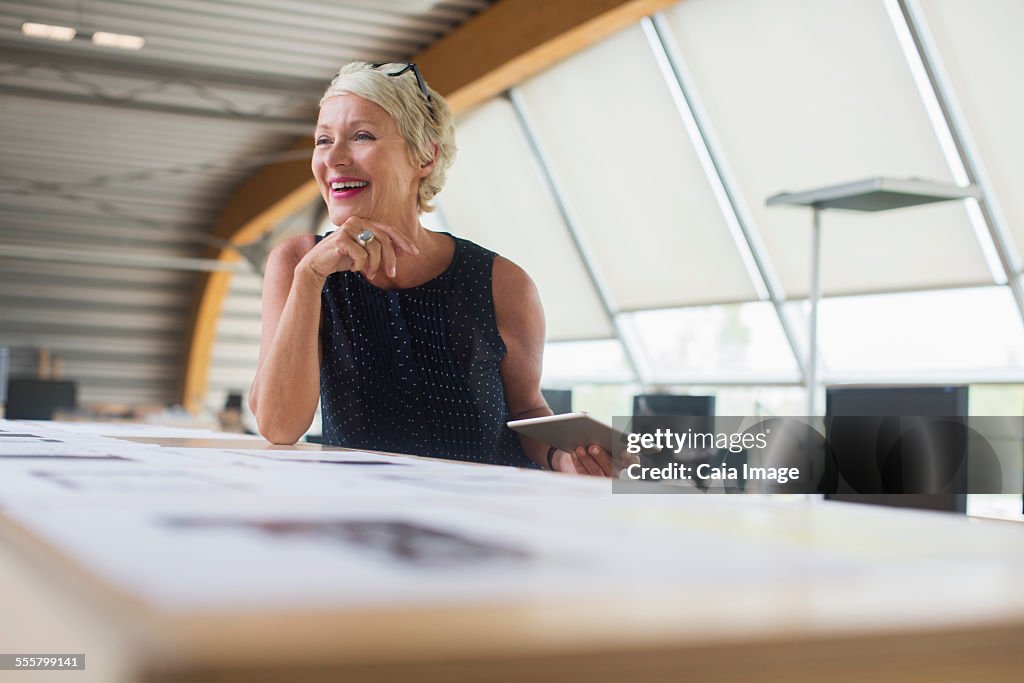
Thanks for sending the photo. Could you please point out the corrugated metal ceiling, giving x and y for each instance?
(115, 164)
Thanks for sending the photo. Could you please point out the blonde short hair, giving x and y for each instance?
(423, 124)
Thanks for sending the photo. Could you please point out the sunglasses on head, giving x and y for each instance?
(410, 66)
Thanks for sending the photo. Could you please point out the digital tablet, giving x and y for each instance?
(570, 430)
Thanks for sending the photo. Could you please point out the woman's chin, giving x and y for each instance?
(339, 215)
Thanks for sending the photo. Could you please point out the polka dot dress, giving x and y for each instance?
(416, 370)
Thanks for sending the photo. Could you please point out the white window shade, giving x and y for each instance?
(600, 361)
(980, 47)
(925, 247)
(735, 343)
(807, 94)
(496, 197)
(620, 150)
(944, 336)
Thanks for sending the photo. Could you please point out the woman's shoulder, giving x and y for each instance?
(507, 274)
(467, 249)
(514, 292)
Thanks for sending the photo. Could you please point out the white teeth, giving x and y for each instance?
(349, 185)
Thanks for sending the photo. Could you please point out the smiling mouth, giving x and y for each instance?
(347, 188)
(348, 185)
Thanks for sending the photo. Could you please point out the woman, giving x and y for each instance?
(417, 341)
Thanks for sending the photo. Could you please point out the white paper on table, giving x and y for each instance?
(352, 457)
(13, 454)
(40, 431)
(142, 429)
(298, 552)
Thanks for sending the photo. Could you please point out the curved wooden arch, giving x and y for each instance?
(492, 52)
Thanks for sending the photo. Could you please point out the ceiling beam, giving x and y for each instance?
(116, 258)
(276, 123)
(31, 53)
(492, 52)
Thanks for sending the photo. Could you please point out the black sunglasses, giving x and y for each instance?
(419, 78)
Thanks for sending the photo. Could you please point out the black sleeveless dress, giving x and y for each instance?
(416, 370)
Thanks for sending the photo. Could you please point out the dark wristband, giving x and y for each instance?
(551, 452)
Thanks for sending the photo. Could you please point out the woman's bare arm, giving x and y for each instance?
(520, 319)
(286, 390)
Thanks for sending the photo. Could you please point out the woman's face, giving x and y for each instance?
(362, 163)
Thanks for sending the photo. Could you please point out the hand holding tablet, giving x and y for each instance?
(572, 431)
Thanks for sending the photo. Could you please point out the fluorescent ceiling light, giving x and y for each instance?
(121, 40)
(62, 33)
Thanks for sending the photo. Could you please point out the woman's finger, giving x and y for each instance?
(386, 252)
(590, 461)
(350, 247)
(589, 466)
(603, 460)
(400, 241)
(576, 464)
(373, 252)
(386, 237)
(360, 251)
(329, 256)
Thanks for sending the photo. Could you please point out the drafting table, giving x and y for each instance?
(314, 563)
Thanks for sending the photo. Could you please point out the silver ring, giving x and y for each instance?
(365, 237)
